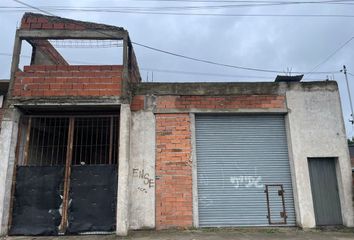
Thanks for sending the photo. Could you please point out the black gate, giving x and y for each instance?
(37, 200)
(92, 198)
(66, 175)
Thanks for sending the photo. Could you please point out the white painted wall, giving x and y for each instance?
(316, 129)
(142, 171)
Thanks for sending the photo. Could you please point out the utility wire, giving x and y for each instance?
(329, 57)
(238, 4)
(237, 1)
(213, 62)
(176, 54)
(185, 7)
(175, 71)
(202, 14)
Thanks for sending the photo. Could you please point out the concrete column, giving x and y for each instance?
(123, 171)
(142, 171)
(8, 141)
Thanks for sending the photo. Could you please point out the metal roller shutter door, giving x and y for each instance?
(236, 157)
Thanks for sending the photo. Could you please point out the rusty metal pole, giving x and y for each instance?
(69, 153)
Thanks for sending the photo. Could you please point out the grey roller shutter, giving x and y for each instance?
(236, 157)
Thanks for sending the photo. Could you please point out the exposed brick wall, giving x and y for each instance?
(213, 102)
(174, 207)
(137, 103)
(37, 81)
(37, 21)
(221, 102)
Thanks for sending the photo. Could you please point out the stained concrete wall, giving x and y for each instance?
(8, 140)
(142, 170)
(316, 129)
(123, 171)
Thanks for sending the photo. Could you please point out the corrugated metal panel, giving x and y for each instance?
(236, 157)
(325, 191)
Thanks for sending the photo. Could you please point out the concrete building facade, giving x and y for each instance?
(181, 155)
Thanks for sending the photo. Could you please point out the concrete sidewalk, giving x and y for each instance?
(218, 234)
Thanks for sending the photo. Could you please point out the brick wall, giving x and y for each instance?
(37, 81)
(221, 102)
(174, 171)
(137, 103)
(37, 21)
(174, 206)
(33, 21)
(212, 102)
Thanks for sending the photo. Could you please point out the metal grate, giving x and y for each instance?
(95, 141)
(45, 140)
(47, 144)
(85, 43)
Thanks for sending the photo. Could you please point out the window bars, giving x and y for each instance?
(46, 140)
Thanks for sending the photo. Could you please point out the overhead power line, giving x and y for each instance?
(180, 13)
(184, 7)
(230, 15)
(184, 10)
(329, 56)
(216, 63)
(176, 54)
(178, 7)
(177, 71)
(245, 1)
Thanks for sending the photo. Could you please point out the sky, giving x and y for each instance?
(287, 44)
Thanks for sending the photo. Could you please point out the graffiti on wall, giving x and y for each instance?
(247, 181)
(147, 181)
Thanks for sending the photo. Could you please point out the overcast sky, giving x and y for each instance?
(276, 43)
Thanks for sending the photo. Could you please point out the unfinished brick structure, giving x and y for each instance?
(50, 103)
(163, 155)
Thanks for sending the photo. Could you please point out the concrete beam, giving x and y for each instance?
(72, 34)
(67, 100)
(8, 142)
(231, 110)
(240, 88)
(123, 171)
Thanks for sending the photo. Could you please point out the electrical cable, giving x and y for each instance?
(329, 57)
(176, 54)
